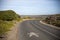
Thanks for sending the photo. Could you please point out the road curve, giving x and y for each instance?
(34, 30)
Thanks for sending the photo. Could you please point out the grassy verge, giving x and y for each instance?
(5, 26)
(7, 19)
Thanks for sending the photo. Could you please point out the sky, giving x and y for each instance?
(31, 7)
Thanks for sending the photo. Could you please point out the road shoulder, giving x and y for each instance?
(49, 25)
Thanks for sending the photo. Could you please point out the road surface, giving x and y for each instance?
(34, 30)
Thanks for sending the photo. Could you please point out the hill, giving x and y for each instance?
(8, 15)
(7, 20)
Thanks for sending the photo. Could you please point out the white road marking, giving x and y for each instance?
(33, 34)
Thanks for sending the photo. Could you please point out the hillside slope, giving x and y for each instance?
(53, 19)
(8, 15)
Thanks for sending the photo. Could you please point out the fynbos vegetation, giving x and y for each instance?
(6, 20)
(8, 15)
(53, 19)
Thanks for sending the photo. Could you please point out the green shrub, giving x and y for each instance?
(53, 19)
(5, 26)
(7, 20)
(57, 23)
(8, 15)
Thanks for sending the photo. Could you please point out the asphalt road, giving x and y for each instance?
(34, 30)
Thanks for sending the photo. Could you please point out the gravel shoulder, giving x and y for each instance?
(12, 35)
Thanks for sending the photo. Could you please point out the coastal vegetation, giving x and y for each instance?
(53, 19)
(7, 19)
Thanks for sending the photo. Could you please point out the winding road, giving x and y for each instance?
(34, 30)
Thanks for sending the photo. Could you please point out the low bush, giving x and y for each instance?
(5, 26)
(54, 20)
(7, 19)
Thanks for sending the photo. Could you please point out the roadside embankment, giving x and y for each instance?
(12, 34)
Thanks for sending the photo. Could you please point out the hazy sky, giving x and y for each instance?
(31, 7)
